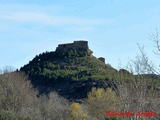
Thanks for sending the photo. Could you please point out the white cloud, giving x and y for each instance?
(83, 28)
(44, 18)
(5, 26)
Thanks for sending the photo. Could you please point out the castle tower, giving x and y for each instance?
(80, 45)
(102, 59)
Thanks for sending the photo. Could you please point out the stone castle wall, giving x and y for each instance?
(80, 45)
(102, 59)
(77, 45)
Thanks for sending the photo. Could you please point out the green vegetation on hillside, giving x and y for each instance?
(69, 66)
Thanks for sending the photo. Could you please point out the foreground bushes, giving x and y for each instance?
(100, 100)
(16, 93)
(19, 101)
(6, 115)
(18, 96)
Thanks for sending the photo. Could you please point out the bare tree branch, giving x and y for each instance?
(155, 38)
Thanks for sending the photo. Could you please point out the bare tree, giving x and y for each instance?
(138, 91)
(155, 38)
(17, 94)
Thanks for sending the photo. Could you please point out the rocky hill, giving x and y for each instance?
(71, 71)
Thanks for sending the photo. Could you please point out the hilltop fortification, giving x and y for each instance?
(76, 45)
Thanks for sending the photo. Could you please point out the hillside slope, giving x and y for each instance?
(68, 73)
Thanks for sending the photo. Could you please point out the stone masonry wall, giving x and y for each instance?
(76, 45)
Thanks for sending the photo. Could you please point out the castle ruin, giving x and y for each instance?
(80, 45)
(102, 59)
(76, 45)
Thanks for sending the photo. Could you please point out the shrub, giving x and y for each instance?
(53, 107)
(16, 93)
(77, 113)
(100, 100)
(6, 115)
(114, 118)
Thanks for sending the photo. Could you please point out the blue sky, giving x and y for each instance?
(112, 27)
